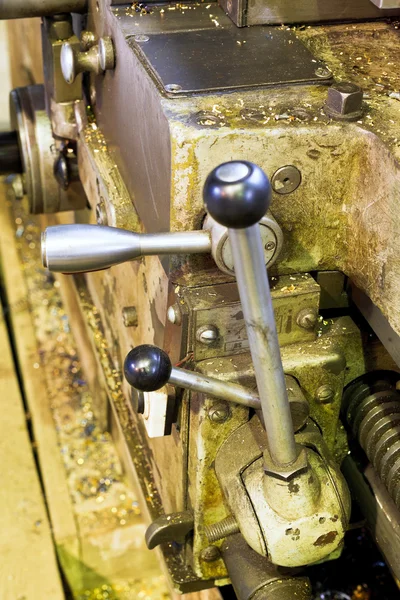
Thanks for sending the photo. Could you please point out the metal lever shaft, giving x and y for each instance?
(148, 368)
(83, 248)
(237, 194)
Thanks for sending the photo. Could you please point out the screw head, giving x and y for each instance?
(173, 88)
(286, 179)
(344, 101)
(325, 394)
(219, 412)
(129, 316)
(207, 334)
(174, 314)
(141, 38)
(323, 72)
(270, 246)
(210, 554)
(307, 318)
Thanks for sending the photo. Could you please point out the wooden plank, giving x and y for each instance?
(24, 38)
(53, 472)
(26, 545)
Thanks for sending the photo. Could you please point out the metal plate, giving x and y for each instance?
(226, 59)
(261, 12)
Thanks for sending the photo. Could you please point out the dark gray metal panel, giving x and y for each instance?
(261, 12)
(226, 59)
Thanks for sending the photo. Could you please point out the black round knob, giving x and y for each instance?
(237, 194)
(147, 368)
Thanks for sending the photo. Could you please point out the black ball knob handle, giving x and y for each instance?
(147, 368)
(237, 194)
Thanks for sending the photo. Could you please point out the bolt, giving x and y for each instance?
(173, 88)
(270, 246)
(325, 394)
(174, 314)
(286, 179)
(344, 101)
(307, 318)
(222, 529)
(323, 72)
(101, 213)
(210, 554)
(219, 412)
(129, 316)
(207, 334)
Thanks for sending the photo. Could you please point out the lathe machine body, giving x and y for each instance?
(220, 182)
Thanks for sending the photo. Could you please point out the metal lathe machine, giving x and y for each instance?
(232, 169)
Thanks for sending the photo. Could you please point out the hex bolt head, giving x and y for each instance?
(210, 554)
(307, 318)
(129, 316)
(174, 314)
(207, 334)
(344, 101)
(219, 412)
(325, 394)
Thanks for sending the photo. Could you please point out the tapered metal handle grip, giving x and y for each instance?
(237, 194)
(82, 248)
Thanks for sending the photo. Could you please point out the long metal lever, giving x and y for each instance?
(237, 194)
(82, 248)
(148, 368)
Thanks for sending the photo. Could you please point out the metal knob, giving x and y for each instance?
(148, 368)
(237, 194)
(99, 58)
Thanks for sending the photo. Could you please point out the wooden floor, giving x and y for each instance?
(28, 566)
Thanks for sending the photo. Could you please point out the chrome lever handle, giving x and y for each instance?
(83, 248)
(237, 194)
